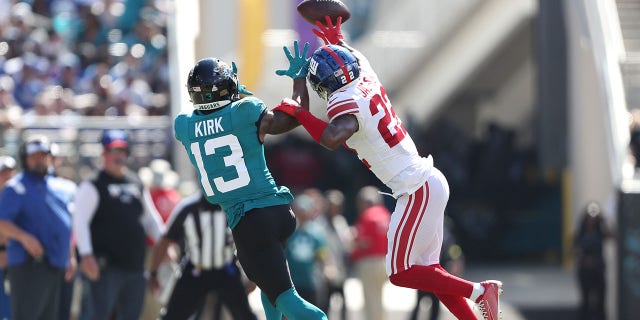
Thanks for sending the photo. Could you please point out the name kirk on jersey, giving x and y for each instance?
(208, 127)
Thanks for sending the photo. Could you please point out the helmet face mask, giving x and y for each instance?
(331, 68)
(212, 84)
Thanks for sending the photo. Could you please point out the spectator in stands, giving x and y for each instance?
(111, 221)
(30, 80)
(588, 244)
(370, 248)
(35, 216)
(60, 43)
(10, 111)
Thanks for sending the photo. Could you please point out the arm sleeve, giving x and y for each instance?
(150, 219)
(86, 203)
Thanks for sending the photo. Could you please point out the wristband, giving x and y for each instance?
(286, 108)
(313, 125)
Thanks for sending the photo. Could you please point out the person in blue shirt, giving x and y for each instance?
(224, 139)
(35, 216)
(7, 171)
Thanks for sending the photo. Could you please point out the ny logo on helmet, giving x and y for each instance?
(313, 66)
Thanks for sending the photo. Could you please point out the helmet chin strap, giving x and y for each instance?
(211, 105)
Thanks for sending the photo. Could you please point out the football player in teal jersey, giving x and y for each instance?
(224, 139)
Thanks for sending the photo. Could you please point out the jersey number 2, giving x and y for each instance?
(389, 126)
(235, 159)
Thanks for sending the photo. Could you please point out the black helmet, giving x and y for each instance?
(212, 84)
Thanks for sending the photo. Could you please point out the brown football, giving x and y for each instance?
(312, 10)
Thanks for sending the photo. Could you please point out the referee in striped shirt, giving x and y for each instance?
(207, 263)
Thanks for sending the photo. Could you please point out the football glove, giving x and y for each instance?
(298, 64)
(329, 34)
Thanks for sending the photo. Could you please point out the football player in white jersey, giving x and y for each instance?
(362, 118)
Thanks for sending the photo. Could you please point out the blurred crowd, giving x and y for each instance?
(82, 57)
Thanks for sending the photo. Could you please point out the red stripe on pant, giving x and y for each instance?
(405, 234)
(421, 213)
(397, 234)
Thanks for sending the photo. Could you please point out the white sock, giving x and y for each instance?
(478, 290)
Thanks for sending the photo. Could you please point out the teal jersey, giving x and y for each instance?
(229, 158)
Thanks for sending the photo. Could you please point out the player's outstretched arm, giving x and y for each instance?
(300, 92)
(298, 69)
(275, 121)
(338, 131)
(279, 122)
(330, 135)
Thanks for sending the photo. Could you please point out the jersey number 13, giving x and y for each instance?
(235, 159)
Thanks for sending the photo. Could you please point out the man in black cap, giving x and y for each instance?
(111, 222)
(35, 216)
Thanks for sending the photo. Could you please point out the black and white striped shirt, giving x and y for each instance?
(201, 230)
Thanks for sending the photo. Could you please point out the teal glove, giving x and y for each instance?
(242, 89)
(298, 64)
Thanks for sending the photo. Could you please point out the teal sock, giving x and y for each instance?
(269, 310)
(296, 308)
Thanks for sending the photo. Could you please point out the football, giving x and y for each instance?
(312, 10)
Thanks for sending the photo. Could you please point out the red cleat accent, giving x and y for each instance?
(488, 302)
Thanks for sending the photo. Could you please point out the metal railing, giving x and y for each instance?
(78, 140)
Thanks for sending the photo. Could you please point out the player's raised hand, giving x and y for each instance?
(329, 34)
(298, 63)
(242, 89)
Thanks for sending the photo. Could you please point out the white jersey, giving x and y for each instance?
(381, 142)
